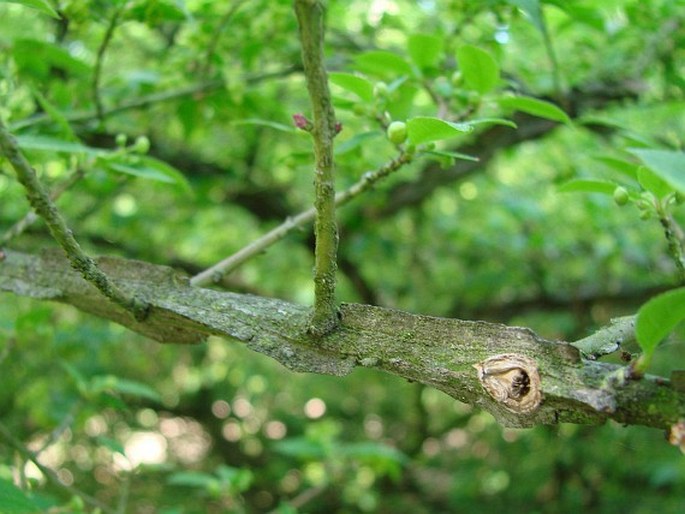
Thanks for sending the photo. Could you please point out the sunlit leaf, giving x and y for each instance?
(478, 67)
(535, 107)
(651, 182)
(380, 62)
(588, 186)
(623, 166)
(424, 129)
(49, 144)
(360, 86)
(668, 165)
(658, 317)
(425, 50)
(40, 5)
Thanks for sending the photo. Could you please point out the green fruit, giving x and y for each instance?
(380, 90)
(397, 132)
(456, 78)
(621, 196)
(121, 140)
(142, 145)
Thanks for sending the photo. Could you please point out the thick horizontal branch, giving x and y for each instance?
(435, 351)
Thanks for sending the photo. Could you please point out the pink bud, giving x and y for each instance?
(302, 122)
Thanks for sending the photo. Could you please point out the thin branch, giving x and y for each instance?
(675, 250)
(310, 17)
(216, 272)
(99, 59)
(49, 473)
(154, 98)
(218, 31)
(20, 226)
(46, 209)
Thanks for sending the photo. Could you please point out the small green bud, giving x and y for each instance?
(380, 90)
(621, 196)
(142, 145)
(456, 78)
(397, 132)
(644, 205)
(645, 214)
(410, 149)
(121, 140)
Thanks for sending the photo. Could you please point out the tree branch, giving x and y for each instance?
(99, 59)
(310, 18)
(438, 352)
(230, 263)
(46, 209)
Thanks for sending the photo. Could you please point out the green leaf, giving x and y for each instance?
(382, 63)
(149, 168)
(111, 444)
(40, 5)
(621, 165)
(535, 107)
(301, 448)
(588, 186)
(668, 165)
(424, 129)
(425, 50)
(191, 479)
(658, 317)
(360, 86)
(651, 182)
(266, 123)
(14, 501)
(478, 67)
(55, 115)
(532, 10)
(453, 155)
(40, 59)
(133, 388)
(49, 144)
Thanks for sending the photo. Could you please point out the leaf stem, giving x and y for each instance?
(100, 57)
(310, 17)
(46, 209)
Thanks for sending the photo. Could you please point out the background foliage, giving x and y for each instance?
(212, 86)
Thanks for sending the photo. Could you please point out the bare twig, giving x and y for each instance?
(216, 272)
(49, 473)
(310, 17)
(608, 339)
(211, 47)
(46, 209)
(97, 70)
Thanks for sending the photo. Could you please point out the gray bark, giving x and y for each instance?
(473, 361)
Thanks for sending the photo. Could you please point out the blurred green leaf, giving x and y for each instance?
(532, 10)
(40, 59)
(651, 182)
(125, 386)
(453, 155)
(667, 165)
(40, 5)
(535, 107)
(382, 63)
(14, 501)
(301, 448)
(425, 50)
(148, 168)
(588, 186)
(50, 144)
(191, 479)
(621, 165)
(478, 67)
(658, 317)
(111, 444)
(360, 86)
(266, 123)
(356, 141)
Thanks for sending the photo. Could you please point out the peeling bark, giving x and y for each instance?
(435, 351)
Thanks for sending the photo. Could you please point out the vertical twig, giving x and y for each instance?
(310, 17)
(46, 209)
(675, 250)
(97, 71)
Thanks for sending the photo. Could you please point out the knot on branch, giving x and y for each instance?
(512, 380)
